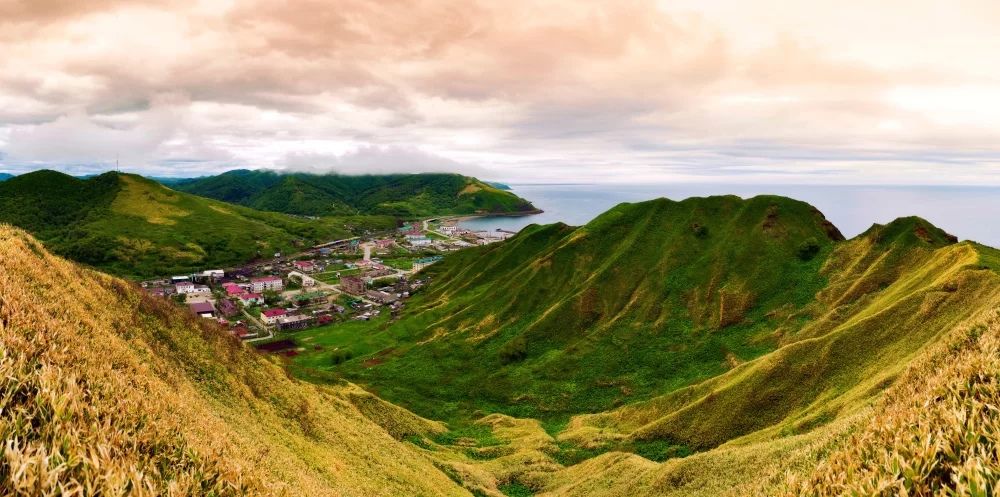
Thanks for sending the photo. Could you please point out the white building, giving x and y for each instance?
(421, 241)
(260, 285)
(188, 288)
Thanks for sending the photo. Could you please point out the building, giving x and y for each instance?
(307, 281)
(249, 299)
(233, 290)
(265, 283)
(309, 298)
(215, 274)
(423, 262)
(203, 309)
(305, 266)
(419, 241)
(381, 297)
(296, 322)
(271, 316)
(449, 230)
(352, 285)
(227, 308)
(384, 243)
(188, 288)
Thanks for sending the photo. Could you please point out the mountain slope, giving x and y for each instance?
(133, 226)
(403, 195)
(108, 391)
(648, 297)
(843, 346)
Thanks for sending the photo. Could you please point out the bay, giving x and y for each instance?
(968, 212)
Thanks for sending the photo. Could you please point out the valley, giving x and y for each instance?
(710, 346)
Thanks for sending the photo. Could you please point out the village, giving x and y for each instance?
(357, 278)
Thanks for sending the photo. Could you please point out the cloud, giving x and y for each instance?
(378, 160)
(529, 89)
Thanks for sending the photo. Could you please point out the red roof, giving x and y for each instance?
(201, 307)
(248, 296)
(273, 312)
(234, 290)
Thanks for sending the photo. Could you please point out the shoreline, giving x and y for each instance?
(466, 217)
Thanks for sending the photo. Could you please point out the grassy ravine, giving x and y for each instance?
(106, 391)
(826, 332)
(131, 226)
(402, 195)
(649, 297)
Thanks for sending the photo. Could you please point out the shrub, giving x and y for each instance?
(515, 350)
(808, 249)
(341, 356)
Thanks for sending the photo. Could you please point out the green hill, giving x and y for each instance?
(108, 391)
(132, 226)
(882, 381)
(401, 195)
(666, 328)
(648, 297)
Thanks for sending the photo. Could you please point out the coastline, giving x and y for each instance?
(466, 217)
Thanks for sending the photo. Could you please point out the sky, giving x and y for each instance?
(764, 91)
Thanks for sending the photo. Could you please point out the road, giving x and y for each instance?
(260, 325)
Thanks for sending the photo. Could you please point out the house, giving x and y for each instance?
(381, 297)
(352, 285)
(307, 281)
(305, 266)
(449, 230)
(240, 330)
(203, 309)
(227, 308)
(419, 241)
(184, 287)
(265, 283)
(296, 322)
(215, 274)
(271, 316)
(233, 290)
(423, 262)
(309, 298)
(249, 299)
(384, 243)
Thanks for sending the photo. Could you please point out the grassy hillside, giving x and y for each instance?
(648, 297)
(887, 386)
(841, 348)
(132, 226)
(109, 392)
(402, 195)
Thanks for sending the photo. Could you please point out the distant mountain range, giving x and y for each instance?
(401, 195)
(5, 176)
(133, 226)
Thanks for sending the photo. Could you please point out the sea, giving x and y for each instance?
(968, 212)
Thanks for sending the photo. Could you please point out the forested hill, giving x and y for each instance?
(401, 195)
(133, 226)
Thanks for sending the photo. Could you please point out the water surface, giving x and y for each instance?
(968, 212)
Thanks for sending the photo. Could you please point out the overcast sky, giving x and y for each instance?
(764, 91)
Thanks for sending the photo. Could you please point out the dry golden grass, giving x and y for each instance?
(936, 433)
(104, 391)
